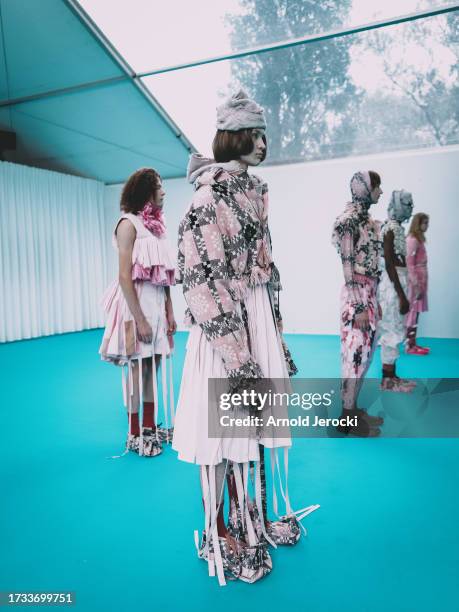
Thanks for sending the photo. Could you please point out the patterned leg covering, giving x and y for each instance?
(285, 531)
(219, 562)
(229, 556)
(392, 325)
(357, 346)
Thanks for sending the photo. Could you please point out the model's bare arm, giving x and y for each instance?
(126, 235)
(390, 261)
(171, 323)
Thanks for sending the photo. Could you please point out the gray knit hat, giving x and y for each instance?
(239, 112)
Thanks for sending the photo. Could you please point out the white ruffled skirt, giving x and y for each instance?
(120, 342)
(191, 439)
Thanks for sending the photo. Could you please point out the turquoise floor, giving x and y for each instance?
(120, 533)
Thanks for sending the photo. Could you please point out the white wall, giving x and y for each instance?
(304, 201)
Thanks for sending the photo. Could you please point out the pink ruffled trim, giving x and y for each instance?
(149, 252)
(156, 275)
(153, 220)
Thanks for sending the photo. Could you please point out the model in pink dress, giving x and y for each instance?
(140, 317)
(416, 261)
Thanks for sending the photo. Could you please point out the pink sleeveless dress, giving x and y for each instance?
(153, 268)
(416, 262)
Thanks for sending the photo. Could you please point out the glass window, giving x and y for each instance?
(153, 35)
(382, 90)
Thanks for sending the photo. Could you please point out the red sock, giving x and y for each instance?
(221, 527)
(149, 415)
(135, 427)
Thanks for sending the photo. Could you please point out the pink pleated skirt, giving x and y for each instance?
(191, 439)
(120, 342)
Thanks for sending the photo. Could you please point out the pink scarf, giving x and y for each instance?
(152, 217)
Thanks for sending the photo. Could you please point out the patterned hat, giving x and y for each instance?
(400, 205)
(361, 188)
(239, 112)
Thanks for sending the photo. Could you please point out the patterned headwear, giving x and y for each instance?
(400, 205)
(361, 188)
(239, 112)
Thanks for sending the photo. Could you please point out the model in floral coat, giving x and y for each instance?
(230, 284)
(357, 240)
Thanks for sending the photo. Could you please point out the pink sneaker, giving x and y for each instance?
(416, 350)
(424, 348)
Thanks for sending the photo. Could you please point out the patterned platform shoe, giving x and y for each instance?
(151, 446)
(285, 531)
(255, 560)
(165, 434)
(230, 558)
(397, 385)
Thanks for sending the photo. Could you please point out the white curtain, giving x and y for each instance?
(53, 252)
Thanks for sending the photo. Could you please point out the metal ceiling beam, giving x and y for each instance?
(64, 90)
(128, 71)
(305, 40)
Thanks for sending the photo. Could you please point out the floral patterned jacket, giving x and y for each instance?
(225, 247)
(357, 238)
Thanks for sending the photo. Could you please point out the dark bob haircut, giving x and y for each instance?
(375, 179)
(231, 145)
(139, 188)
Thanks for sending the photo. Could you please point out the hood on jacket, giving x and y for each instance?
(199, 165)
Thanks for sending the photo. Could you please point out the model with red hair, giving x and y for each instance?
(140, 317)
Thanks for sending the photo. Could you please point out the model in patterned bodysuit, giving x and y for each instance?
(393, 289)
(356, 238)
